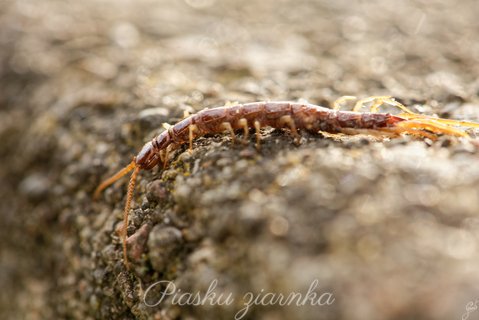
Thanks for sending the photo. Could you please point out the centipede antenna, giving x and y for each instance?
(113, 179)
(124, 229)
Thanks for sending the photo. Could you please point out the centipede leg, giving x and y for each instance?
(166, 155)
(389, 132)
(227, 126)
(444, 122)
(162, 156)
(192, 128)
(361, 103)
(411, 131)
(337, 103)
(370, 132)
(391, 101)
(375, 106)
(378, 101)
(257, 127)
(292, 126)
(243, 123)
(430, 125)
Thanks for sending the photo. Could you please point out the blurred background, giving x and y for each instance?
(390, 228)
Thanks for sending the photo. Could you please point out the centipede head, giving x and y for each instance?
(147, 158)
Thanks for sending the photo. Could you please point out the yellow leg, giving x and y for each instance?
(244, 124)
(375, 106)
(337, 104)
(448, 122)
(431, 125)
(290, 123)
(411, 131)
(335, 136)
(390, 132)
(166, 155)
(370, 132)
(378, 101)
(257, 127)
(192, 129)
(227, 126)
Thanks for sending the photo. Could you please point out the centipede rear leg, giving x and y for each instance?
(443, 122)
(431, 126)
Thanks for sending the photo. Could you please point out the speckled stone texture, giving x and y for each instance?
(388, 227)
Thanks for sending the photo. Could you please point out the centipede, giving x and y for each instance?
(292, 116)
